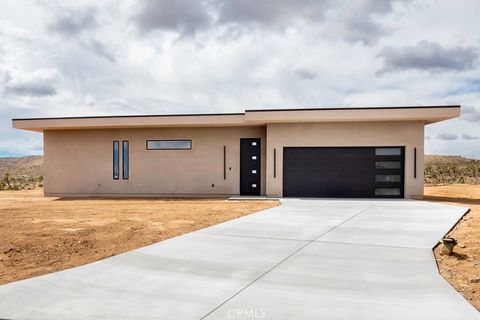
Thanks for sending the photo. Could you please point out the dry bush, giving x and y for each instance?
(451, 169)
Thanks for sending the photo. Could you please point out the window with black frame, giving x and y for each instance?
(125, 160)
(389, 167)
(169, 144)
(116, 160)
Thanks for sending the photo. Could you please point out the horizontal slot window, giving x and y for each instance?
(169, 144)
(387, 178)
(387, 164)
(388, 151)
(387, 191)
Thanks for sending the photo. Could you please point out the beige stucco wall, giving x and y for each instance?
(79, 162)
(395, 133)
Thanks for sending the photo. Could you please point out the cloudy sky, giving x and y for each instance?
(70, 58)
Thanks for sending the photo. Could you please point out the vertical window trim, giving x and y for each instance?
(116, 160)
(274, 162)
(415, 163)
(125, 164)
(224, 162)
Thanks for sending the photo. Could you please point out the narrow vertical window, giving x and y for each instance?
(125, 160)
(116, 160)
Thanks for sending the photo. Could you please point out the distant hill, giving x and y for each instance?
(451, 169)
(27, 172)
(21, 172)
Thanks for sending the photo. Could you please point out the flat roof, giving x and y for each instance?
(350, 108)
(428, 114)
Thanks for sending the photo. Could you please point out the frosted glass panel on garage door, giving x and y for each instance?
(388, 151)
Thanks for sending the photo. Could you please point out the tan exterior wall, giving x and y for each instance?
(395, 133)
(80, 162)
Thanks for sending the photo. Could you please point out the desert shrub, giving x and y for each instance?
(452, 170)
(21, 182)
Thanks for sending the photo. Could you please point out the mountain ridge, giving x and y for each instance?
(27, 172)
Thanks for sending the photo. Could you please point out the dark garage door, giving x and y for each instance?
(356, 172)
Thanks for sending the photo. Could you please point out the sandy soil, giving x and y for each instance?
(40, 235)
(462, 269)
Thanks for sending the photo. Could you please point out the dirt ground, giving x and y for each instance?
(462, 269)
(40, 235)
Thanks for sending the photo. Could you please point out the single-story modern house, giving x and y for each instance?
(334, 152)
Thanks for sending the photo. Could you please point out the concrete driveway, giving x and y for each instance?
(306, 259)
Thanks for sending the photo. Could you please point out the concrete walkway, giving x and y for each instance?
(306, 259)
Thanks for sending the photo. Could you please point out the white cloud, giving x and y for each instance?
(305, 74)
(470, 113)
(66, 58)
(447, 136)
(428, 56)
(30, 83)
(353, 21)
(467, 136)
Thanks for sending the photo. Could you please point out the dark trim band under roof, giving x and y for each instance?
(354, 108)
(235, 114)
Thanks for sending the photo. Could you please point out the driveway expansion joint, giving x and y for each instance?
(308, 242)
(252, 237)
